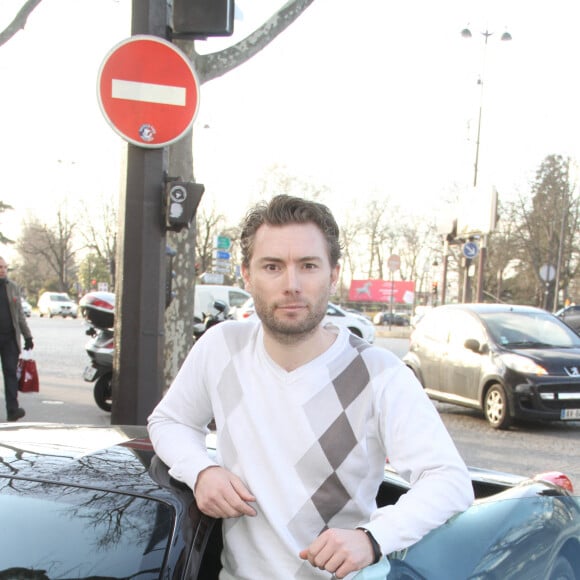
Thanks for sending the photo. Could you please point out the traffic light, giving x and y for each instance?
(169, 275)
(434, 287)
(181, 201)
(202, 18)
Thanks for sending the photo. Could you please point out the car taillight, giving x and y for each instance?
(557, 478)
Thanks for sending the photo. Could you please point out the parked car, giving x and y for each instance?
(390, 319)
(356, 323)
(244, 311)
(511, 362)
(26, 308)
(207, 294)
(57, 304)
(356, 311)
(359, 325)
(571, 316)
(96, 502)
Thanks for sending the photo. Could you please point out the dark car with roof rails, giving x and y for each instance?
(509, 361)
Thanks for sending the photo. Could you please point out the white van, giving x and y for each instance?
(207, 294)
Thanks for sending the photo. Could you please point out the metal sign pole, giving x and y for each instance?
(140, 290)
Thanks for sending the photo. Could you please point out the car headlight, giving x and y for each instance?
(523, 364)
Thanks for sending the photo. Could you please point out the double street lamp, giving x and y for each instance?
(506, 36)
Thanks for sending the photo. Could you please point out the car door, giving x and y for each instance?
(429, 346)
(461, 369)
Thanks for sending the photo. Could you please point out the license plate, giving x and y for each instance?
(569, 414)
(89, 373)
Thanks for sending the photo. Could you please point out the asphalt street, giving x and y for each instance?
(65, 397)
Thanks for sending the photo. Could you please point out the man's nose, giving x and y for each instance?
(293, 279)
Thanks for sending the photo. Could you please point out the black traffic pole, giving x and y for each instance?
(140, 286)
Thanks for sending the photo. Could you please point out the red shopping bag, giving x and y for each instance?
(27, 374)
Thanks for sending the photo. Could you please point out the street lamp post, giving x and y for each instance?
(506, 36)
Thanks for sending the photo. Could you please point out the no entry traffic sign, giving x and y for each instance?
(148, 91)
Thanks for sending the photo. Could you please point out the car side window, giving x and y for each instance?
(464, 327)
(237, 298)
(435, 326)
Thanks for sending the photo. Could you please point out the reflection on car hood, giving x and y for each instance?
(552, 359)
(505, 538)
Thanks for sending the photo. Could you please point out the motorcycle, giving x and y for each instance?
(222, 312)
(98, 310)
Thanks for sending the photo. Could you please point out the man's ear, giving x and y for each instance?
(246, 277)
(334, 278)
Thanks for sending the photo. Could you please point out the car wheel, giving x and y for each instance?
(103, 392)
(356, 331)
(496, 407)
(562, 570)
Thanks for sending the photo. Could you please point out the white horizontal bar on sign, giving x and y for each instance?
(148, 92)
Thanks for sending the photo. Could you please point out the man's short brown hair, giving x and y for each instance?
(283, 210)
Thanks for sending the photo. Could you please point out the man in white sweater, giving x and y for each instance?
(306, 416)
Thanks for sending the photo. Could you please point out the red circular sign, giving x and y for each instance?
(394, 262)
(148, 91)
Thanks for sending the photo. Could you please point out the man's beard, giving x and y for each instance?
(290, 331)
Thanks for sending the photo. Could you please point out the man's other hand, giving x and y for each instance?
(221, 494)
(339, 552)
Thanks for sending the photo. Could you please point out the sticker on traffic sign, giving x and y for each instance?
(470, 249)
(148, 91)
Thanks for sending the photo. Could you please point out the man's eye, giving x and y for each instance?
(310, 266)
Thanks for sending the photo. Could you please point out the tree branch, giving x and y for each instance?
(216, 64)
(19, 21)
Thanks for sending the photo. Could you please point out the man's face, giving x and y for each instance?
(3, 268)
(290, 279)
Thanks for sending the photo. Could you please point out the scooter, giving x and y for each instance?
(222, 312)
(98, 309)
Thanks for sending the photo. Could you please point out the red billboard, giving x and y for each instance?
(381, 291)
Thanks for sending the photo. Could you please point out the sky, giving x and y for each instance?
(373, 99)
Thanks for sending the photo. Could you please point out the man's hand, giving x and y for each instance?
(221, 494)
(340, 551)
(28, 344)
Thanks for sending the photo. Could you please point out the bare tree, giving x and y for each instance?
(99, 232)
(380, 229)
(207, 223)
(39, 242)
(3, 238)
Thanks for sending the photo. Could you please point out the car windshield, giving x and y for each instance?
(80, 533)
(60, 298)
(511, 538)
(529, 330)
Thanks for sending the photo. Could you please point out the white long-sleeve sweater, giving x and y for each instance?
(310, 444)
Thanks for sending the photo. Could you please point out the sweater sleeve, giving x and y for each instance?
(423, 453)
(178, 424)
